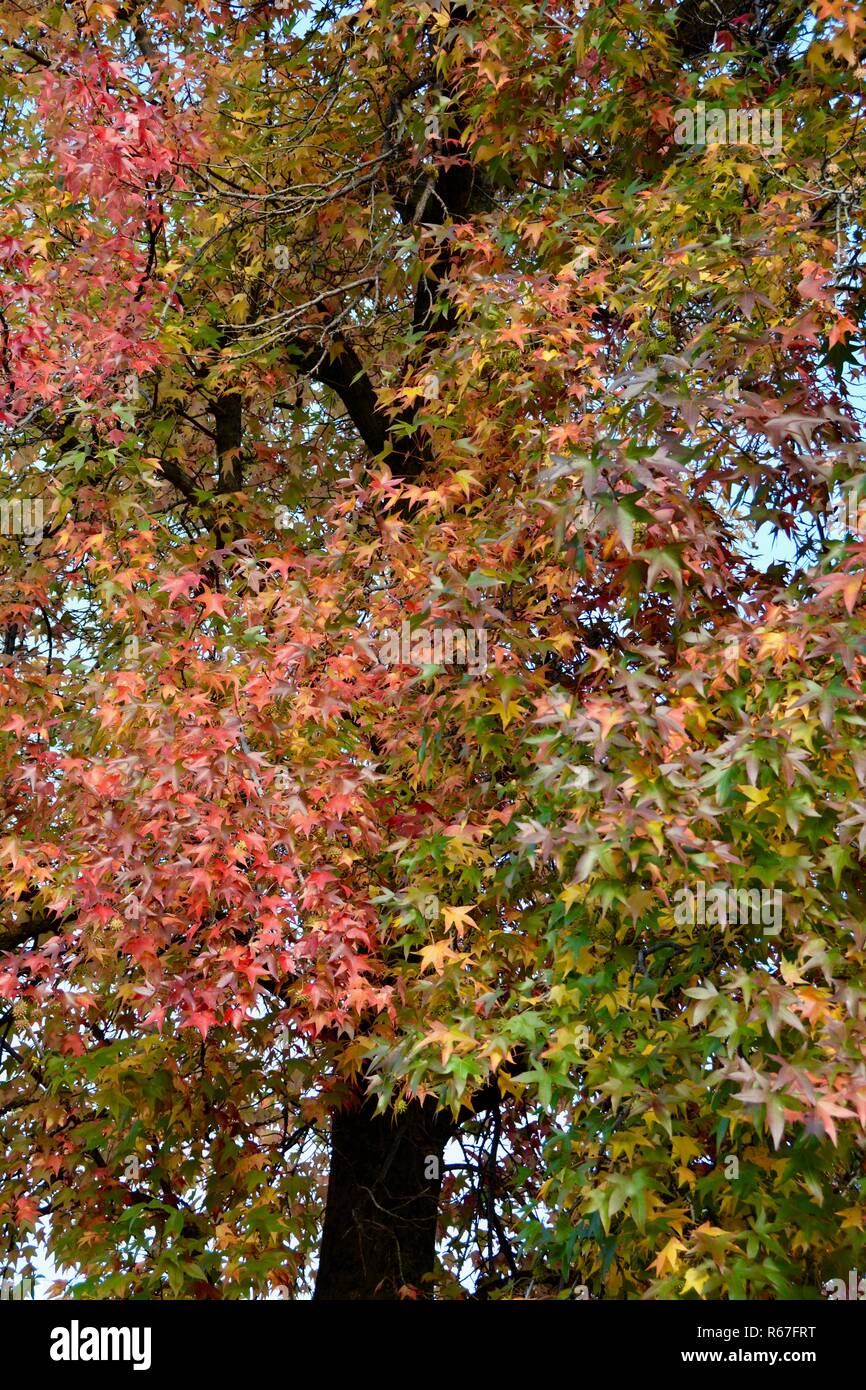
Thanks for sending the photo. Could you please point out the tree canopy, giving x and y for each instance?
(323, 324)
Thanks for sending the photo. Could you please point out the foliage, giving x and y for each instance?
(316, 321)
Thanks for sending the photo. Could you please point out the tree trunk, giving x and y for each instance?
(383, 1200)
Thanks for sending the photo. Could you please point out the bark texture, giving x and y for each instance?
(383, 1198)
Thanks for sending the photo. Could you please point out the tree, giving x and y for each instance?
(412, 763)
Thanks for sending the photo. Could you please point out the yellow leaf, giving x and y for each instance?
(843, 46)
(853, 1218)
(695, 1279)
(669, 1255)
(757, 795)
(684, 1148)
(438, 956)
(458, 917)
(570, 894)
(506, 712)
(709, 1231)
(238, 309)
